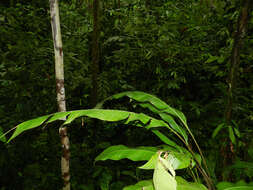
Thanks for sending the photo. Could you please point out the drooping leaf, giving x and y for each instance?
(30, 124)
(237, 132)
(198, 159)
(243, 165)
(138, 119)
(182, 184)
(145, 98)
(141, 185)
(239, 188)
(108, 115)
(119, 152)
(157, 106)
(58, 116)
(236, 128)
(240, 185)
(174, 125)
(217, 129)
(211, 59)
(231, 134)
(2, 136)
(165, 139)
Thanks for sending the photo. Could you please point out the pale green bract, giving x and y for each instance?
(164, 175)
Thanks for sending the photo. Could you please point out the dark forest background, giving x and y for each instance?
(182, 51)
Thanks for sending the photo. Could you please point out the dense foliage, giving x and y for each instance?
(178, 50)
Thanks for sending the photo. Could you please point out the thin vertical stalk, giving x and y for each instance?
(60, 90)
(95, 52)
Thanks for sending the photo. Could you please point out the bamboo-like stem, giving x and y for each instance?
(95, 53)
(60, 90)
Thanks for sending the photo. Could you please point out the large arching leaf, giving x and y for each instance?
(30, 124)
(157, 106)
(138, 119)
(143, 97)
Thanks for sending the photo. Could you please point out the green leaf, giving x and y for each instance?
(197, 159)
(237, 132)
(151, 163)
(30, 124)
(182, 184)
(217, 130)
(174, 125)
(243, 165)
(211, 59)
(240, 185)
(145, 98)
(119, 152)
(231, 134)
(141, 185)
(58, 116)
(240, 188)
(165, 139)
(2, 136)
(106, 115)
(236, 129)
(221, 59)
(223, 185)
(137, 119)
(184, 160)
(157, 106)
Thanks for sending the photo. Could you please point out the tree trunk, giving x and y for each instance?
(95, 53)
(233, 72)
(235, 58)
(60, 91)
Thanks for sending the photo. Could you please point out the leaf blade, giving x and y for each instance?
(119, 152)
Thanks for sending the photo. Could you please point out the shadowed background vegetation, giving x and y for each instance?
(180, 51)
